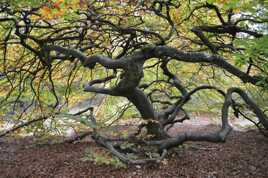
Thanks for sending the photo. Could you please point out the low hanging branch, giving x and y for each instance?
(41, 118)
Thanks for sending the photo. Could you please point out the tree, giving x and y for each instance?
(118, 44)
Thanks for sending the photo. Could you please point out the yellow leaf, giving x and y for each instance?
(46, 12)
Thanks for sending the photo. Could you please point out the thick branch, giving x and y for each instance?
(89, 62)
(140, 100)
(197, 57)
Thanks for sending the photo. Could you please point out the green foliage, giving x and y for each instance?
(253, 48)
(69, 77)
(102, 158)
(24, 3)
(255, 52)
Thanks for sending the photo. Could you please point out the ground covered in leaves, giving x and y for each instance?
(245, 154)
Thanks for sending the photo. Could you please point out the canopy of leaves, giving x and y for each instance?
(46, 48)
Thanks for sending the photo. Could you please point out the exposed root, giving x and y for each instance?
(125, 159)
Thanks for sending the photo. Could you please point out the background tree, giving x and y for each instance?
(138, 50)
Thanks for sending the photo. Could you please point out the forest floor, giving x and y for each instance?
(243, 155)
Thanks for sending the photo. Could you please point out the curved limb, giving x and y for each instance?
(263, 119)
(221, 134)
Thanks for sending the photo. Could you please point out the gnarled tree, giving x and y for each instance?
(128, 41)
